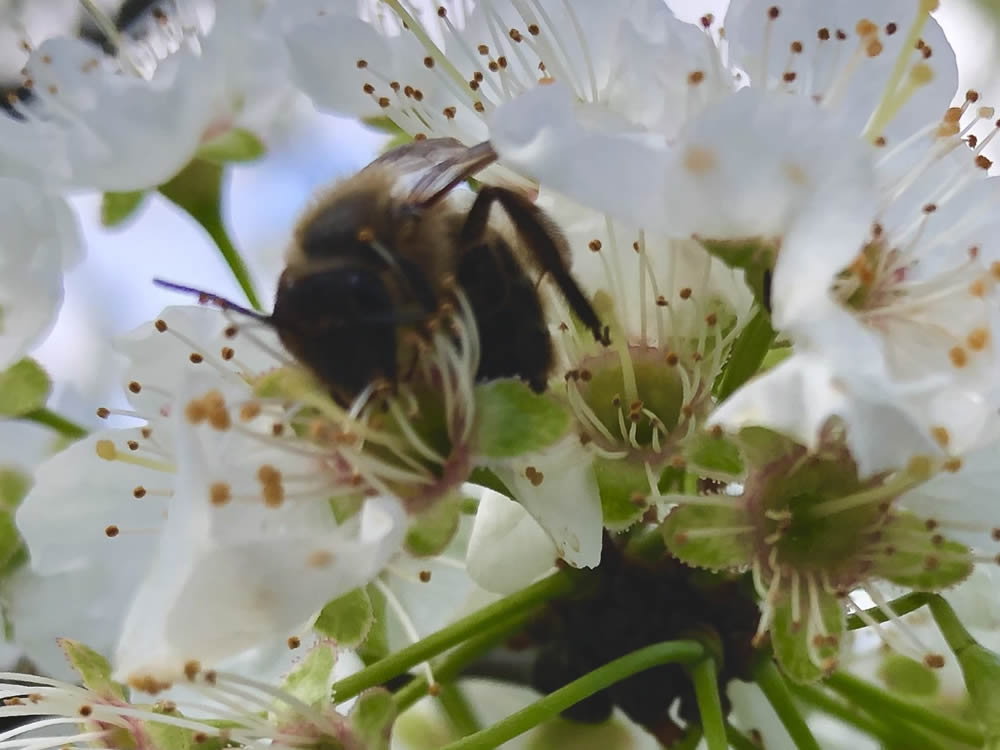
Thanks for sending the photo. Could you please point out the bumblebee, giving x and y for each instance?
(380, 255)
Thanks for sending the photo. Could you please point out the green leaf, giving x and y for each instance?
(14, 485)
(376, 645)
(747, 354)
(911, 555)
(371, 718)
(709, 536)
(714, 454)
(512, 420)
(234, 145)
(24, 387)
(310, 681)
(624, 488)
(432, 530)
(347, 619)
(94, 669)
(807, 650)
(117, 208)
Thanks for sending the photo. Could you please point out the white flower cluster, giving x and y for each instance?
(796, 174)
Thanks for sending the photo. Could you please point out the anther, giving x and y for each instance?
(977, 339)
(106, 450)
(219, 493)
(111, 531)
(160, 325)
(890, 28)
(982, 162)
(230, 331)
(294, 642)
(139, 492)
(196, 358)
(773, 12)
(191, 669)
(425, 576)
(958, 356)
(428, 62)
(362, 64)
(134, 386)
(133, 445)
(594, 245)
(796, 48)
(695, 77)
(823, 34)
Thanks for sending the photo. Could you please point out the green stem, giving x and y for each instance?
(738, 740)
(568, 695)
(217, 231)
(690, 740)
(459, 711)
(444, 639)
(896, 734)
(773, 684)
(951, 627)
(881, 703)
(57, 422)
(901, 606)
(197, 189)
(452, 663)
(706, 690)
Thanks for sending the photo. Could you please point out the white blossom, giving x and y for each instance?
(132, 121)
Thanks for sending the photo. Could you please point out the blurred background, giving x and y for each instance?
(111, 292)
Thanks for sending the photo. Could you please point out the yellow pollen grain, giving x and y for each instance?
(873, 48)
(986, 113)
(958, 356)
(219, 419)
(319, 558)
(977, 339)
(219, 493)
(249, 410)
(941, 436)
(953, 465)
(921, 74)
(274, 495)
(700, 160)
(865, 27)
(195, 412)
(267, 474)
(106, 450)
(978, 288)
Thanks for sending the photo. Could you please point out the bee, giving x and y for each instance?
(379, 256)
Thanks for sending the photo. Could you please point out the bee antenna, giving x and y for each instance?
(209, 298)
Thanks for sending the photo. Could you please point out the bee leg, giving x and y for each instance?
(542, 237)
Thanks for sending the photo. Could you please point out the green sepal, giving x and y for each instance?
(235, 145)
(981, 670)
(907, 676)
(14, 485)
(311, 679)
(683, 535)
(918, 558)
(376, 644)
(512, 420)
(432, 530)
(169, 737)
(760, 446)
(94, 670)
(347, 619)
(117, 208)
(24, 387)
(804, 655)
(624, 488)
(372, 717)
(11, 544)
(714, 454)
(746, 355)
(753, 254)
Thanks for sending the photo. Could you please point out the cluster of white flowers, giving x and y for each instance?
(784, 217)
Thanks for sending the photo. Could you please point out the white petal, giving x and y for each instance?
(566, 502)
(508, 549)
(800, 395)
(754, 44)
(230, 577)
(40, 240)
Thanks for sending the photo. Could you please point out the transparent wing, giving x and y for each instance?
(434, 166)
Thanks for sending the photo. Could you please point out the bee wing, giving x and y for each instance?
(431, 168)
